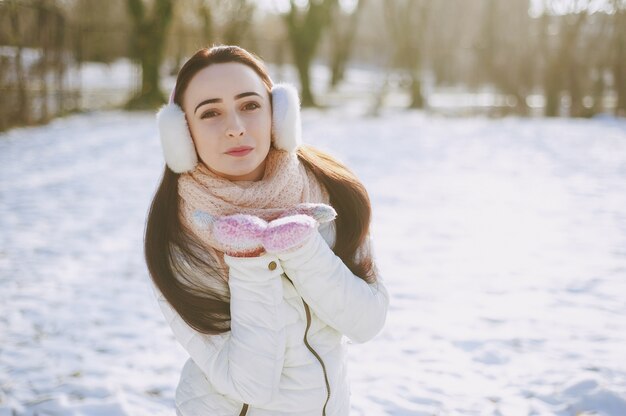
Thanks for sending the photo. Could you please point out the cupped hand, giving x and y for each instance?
(295, 227)
(243, 235)
(238, 235)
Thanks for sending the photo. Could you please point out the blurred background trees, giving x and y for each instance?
(150, 26)
(524, 57)
(305, 25)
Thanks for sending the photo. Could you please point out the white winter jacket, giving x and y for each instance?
(285, 353)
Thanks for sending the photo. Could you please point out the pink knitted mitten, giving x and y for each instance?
(294, 228)
(239, 235)
(320, 212)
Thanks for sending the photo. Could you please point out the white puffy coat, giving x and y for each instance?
(285, 353)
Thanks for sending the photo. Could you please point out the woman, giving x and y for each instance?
(257, 279)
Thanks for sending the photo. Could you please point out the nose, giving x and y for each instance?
(235, 127)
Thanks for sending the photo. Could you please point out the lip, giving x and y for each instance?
(239, 151)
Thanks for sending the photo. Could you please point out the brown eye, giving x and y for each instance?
(251, 106)
(209, 114)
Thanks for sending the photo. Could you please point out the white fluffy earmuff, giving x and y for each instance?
(286, 124)
(178, 148)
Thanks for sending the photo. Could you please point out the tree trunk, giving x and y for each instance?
(417, 99)
(598, 92)
(619, 65)
(78, 59)
(148, 50)
(304, 30)
(44, 36)
(303, 65)
(207, 23)
(59, 63)
(575, 93)
(408, 23)
(342, 45)
(552, 90)
(239, 19)
(21, 114)
(150, 60)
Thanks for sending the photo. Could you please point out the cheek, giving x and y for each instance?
(204, 137)
(202, 131)
(262, 123)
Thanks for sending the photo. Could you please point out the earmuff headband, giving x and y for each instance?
(178, 148)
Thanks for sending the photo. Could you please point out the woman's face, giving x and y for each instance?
(227, 106)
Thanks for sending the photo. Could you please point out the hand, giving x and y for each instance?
(238, 235)
(242, 235)
(295, 226)
(320, 212)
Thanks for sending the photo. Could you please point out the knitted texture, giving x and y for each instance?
(285, 184)
(320, 212)
(288, 233)
(238, 235)
(243, 235)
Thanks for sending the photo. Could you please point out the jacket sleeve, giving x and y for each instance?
(338, 297)
(245, 363)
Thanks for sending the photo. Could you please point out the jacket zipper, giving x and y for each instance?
(306, 342)
(308, 324)
(244, 409)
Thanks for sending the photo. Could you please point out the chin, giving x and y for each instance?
(242, 173)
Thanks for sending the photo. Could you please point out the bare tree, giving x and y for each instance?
(147, 47)
(504, 61)
(407, 22)
(20, 113)
(619, 55)
(304, 28)
(561, 70)
(343, 30)
(448, 40)
(34, 89)
(208, 26)
(240, 13)
(50, 23)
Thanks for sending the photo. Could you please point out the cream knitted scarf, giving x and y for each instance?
(285, 183)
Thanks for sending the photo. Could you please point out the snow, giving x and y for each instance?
(502, 243)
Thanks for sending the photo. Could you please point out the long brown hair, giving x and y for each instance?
(175, 258)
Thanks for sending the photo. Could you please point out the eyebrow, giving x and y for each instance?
(219, 100)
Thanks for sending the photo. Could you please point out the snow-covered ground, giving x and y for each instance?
(502, 242)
